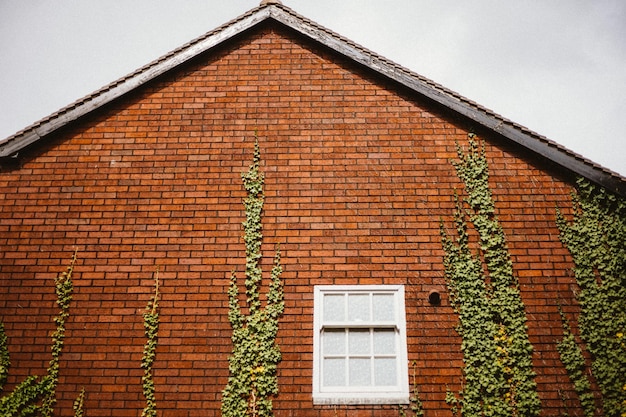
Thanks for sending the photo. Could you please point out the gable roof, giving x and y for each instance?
(272, 10)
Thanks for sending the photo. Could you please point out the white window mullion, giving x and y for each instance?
(370, 355)
(346, 350)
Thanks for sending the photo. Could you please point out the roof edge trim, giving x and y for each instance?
(465, 107)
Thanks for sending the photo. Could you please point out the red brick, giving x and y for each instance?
(357, 180)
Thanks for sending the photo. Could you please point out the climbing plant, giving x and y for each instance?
(5, 361)
(596, 239)
(572, 357)
(24, 399)
(415, 403)
(498, 374)
(64, 288)
(151, 327)
(252, 366)
(79, 403)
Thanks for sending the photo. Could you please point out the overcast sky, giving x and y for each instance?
(557, 67)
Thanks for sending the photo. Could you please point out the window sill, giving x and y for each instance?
(374, 398)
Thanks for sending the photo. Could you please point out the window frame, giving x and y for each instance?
(397, 394)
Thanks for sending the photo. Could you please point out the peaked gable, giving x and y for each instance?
(357, 184)
(276, 12)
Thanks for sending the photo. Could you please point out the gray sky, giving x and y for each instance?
(557, 67)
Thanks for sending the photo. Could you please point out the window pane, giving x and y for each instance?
(359, 347)
(384, 341)
(359, 342)
(334, 372)
(334, 308)
(385, 371)
(384, 309)
(358, 307)
(360, 373)
(334, 341)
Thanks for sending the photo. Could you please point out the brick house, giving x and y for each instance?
(356, 152)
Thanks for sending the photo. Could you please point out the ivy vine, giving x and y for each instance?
(79, 404)
(572, 357)
(415, 403)
(5, 361)
(151, 328)
(596, 239)
(252, 380)
(24, 399)
(497, 354)
(64, 288)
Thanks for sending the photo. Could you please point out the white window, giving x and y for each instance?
(359, 345)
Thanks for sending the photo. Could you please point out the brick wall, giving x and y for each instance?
(357, 180)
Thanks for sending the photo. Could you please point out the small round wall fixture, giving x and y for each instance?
(434, 298)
